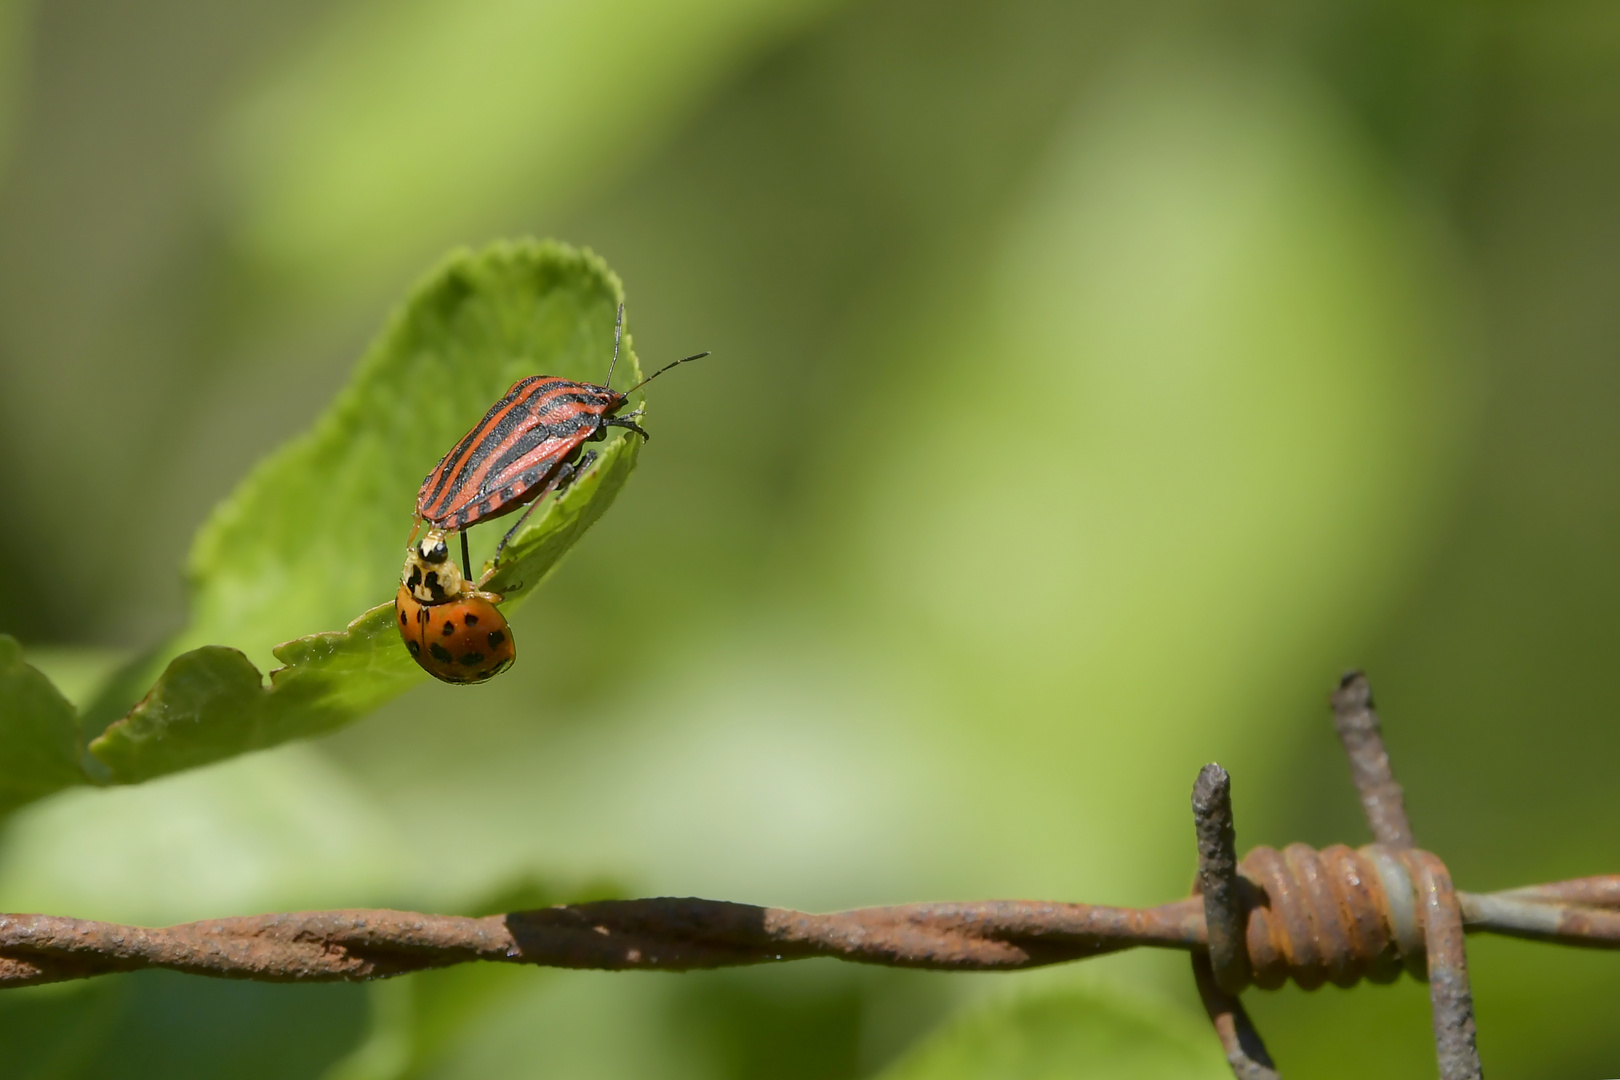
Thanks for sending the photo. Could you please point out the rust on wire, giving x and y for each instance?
(1222, 971)
(1363, 737)
(1245, 1052)
(664, 934)
(1300, 915)
(1450, 998)
(1218, 880)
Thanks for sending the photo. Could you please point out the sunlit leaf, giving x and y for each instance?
(317, 532)
(39, 733)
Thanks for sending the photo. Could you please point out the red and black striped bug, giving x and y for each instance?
(530, 442)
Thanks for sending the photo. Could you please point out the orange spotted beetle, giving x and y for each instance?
(529, 443)
(451, 627)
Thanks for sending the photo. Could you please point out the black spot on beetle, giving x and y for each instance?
(472, 658)
(416, 650)
(402, 620)
(449, 628)
(440, 653)
(470, 619)
(497, 638)
(415, 579)
(435, 589)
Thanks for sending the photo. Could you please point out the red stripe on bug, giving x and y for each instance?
(527, 443)
(480, 479)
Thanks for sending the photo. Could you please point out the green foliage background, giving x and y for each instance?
(1092, 384)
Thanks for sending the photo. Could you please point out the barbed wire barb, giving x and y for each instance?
(1223, 971)
(1450, 996)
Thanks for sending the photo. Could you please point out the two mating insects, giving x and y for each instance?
(531, 442)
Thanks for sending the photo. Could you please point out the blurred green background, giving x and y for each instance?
(1092, 384)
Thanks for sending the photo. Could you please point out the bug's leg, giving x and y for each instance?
(573, 470)
(500, 547)
(466, 563)
(627, 422)
(567, 473)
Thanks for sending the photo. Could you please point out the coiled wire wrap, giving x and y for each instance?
(1338, 915)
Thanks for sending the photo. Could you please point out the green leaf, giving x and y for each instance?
(1066, 1033)
(318, 531)
(39, 732)
(78, 671)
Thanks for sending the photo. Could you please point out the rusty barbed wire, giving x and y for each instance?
(1298, 915)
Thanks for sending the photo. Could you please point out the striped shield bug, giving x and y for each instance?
(451, 628)
(530, 442)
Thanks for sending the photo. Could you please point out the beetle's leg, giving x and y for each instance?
(466, 563)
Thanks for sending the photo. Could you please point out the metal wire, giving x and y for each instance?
(1296, 915)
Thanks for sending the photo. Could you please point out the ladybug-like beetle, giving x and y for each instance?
(452, 628)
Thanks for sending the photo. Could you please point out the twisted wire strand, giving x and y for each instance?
(1310, 917)
(667, 934)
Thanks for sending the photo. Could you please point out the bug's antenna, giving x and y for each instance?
(666, 367)
(618, 328)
